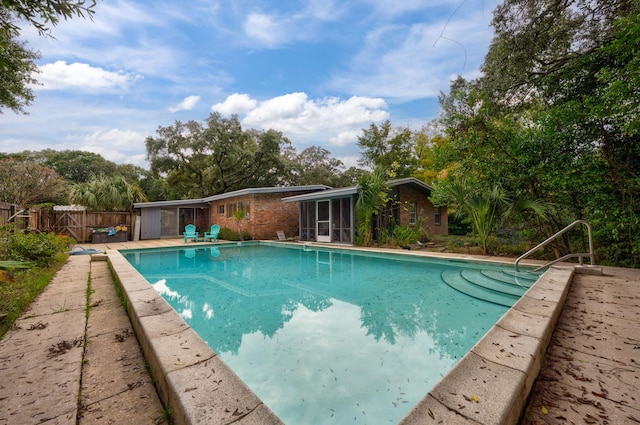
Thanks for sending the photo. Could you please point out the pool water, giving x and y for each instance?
(323, 336)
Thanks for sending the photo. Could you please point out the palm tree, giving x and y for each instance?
(485, 207)
(372, 198)
(107, 193)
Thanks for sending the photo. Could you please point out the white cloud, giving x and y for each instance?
(265, 29)
(235, 104)
(326, 10)
(119, 146)
(327, 120)
(60, 75)
(405, 63)
(187, 104)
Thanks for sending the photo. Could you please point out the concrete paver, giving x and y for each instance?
(116, 388)
(40, 360)
(49, 375)
(592, 368)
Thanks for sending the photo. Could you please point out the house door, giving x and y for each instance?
(323, 223)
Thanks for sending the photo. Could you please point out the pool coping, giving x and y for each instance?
(489, 385)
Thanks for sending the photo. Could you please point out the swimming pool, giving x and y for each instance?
(323, 336)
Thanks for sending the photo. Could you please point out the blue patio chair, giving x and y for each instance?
(213, 233)
(190, 233)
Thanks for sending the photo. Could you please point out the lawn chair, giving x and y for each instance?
(190, 233)
(213, 234)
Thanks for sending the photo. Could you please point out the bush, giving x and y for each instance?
(401, 235)
(39, 247)
(232, 235)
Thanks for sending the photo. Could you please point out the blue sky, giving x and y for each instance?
(319, 71)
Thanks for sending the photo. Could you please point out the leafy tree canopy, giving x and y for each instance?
(388, 147)
(314, 165)
(42, 14)
(17, 67)
(555, 117)
(26, 183)
(17, 62)
(200, 160)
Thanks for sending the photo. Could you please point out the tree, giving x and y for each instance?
(17, 66)
(42, 13)
(486, 207)
(200, 161)
(385, 146)
(73, 165)
(373, 196)
(238, 216)
(26, 183)
(105, 193)
(430, 141)
(17, 63)
(555, 117)
(314, 165)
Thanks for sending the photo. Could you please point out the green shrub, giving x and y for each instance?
(232, 235)
(39, 247)
(16, 296)
(400, 235)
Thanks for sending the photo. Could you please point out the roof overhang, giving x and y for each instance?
(262, 190)
(411, 182)
(325, 194)
(175, 203)
(204, 202)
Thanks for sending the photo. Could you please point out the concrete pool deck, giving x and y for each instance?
(490, 385)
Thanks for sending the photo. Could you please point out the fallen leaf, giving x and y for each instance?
(544, 410)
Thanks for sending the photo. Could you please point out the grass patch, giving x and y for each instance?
(17, 295)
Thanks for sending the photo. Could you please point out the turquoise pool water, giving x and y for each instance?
(323, 336)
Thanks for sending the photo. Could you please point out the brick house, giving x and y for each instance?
(265, 213)
(311, 213)
(328, 215)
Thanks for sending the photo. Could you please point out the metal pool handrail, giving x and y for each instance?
(554, 237)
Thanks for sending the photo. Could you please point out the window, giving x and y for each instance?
(239, 206)
(231, 210)
(413, 216)
(246, 207)
(221, 209)
(438, 215)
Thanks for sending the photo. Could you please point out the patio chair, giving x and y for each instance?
(190, 233)
(213, 233)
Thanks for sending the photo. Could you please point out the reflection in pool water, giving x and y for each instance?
(323, 336)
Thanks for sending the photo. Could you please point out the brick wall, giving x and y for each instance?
(268, 214)
(424, 209)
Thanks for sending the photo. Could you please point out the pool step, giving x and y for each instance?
(478, 278)
(490, 285)
(513, 277)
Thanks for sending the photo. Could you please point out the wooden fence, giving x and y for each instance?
(77, 224)
(80, 225)
(13, 212)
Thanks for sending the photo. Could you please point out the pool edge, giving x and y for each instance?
(489, 385)
(185, 369)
